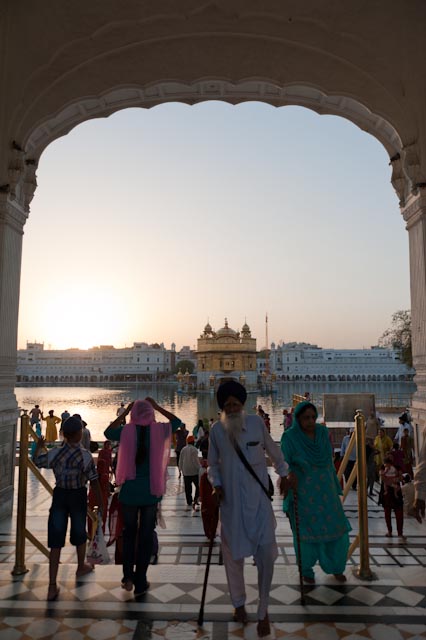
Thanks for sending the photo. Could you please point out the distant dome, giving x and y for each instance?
(226, 330)
(208, 328)
(245, 330)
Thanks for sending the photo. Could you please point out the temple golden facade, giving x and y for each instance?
(226, 354)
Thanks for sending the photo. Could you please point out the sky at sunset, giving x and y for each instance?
(148, 223)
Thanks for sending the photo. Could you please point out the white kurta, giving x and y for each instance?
(246, 512)
(397, 437)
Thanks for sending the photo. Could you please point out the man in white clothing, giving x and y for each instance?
(189, 465)
(247, 519)
(120, 411)
(403, 424)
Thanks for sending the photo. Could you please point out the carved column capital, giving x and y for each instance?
(12, 213)
(22, 177)
(16, 168)
(412, 164)
(415, 208)
(399, 179)
(30, 183)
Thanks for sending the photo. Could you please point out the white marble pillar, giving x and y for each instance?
(12, 220)
(414, 213)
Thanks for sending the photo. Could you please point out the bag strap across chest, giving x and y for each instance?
(250, 469)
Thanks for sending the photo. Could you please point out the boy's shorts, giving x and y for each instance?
(67, 503)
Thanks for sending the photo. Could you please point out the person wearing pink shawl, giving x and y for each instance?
(141, 473)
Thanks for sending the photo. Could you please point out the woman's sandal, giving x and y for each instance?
(308, 580)
(340, 577)
(52, 592)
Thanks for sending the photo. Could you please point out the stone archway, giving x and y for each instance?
(98, 59)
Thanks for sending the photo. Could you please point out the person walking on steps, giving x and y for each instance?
(189, 466)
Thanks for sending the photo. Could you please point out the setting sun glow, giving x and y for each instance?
(81, 319)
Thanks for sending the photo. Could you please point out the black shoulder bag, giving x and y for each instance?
(268, 491)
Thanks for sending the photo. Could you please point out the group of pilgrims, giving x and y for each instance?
(236, 486)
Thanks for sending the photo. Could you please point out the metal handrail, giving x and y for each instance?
(364, 572)
(296, 398)
(359, 472)
(391, 401)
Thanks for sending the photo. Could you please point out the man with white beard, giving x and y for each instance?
(247, 519)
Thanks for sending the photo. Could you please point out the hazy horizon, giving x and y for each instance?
(148, 223)
(167, 344)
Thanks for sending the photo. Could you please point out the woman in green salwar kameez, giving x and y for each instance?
(323, 525)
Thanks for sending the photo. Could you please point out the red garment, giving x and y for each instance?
(337, 464)
(116, 526)
(209, 509)
(398, 458)
(106, 456)
(399, 516)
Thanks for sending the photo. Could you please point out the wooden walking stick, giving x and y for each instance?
(212, 532)
(299, 554)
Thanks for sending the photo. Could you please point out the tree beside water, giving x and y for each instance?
(398, 336)
(183, 366)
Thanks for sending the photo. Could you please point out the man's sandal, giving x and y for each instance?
(240, 615)
(263, 627)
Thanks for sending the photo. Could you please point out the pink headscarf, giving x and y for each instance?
(143, 414)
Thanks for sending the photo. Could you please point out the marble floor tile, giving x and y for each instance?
(406, 596)
(285, 594)
(321, 632)
(11, 634)
(407, 560)
(69, 634)
(413, 629)
(366, 595)
(384, 632)
(325, 595)
(42, 628)
(350, 627)
(189, 559)
(211, 594)
(86, 591)
(166, 592)
(104, 630)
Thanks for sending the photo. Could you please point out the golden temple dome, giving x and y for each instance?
(226, 330)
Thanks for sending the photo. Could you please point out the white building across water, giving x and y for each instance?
(144, 362)
(301, 361)
(140, 363)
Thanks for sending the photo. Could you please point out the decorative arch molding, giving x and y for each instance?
(24, 161)
(119, 98)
